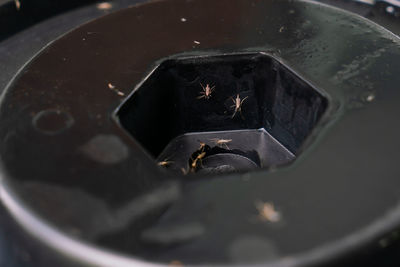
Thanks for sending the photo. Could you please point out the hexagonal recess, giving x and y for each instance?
(167, 117)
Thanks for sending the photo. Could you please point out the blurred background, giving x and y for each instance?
(15, 15)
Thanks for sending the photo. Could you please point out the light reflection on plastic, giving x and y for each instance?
(60, 242)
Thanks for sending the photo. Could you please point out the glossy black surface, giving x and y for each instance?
(379, 12)
(338, 188)
(28, 13)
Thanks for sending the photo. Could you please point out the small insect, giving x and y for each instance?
(202, 146)
(104, 6)
(17, 4)
(221, 142)
(238, 105)
(113, 88)
(164, 163)
(193, 166)
(267, 211)
(207, 91)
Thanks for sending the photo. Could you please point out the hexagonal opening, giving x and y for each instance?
(187, 130)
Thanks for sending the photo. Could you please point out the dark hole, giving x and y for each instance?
(278, 110)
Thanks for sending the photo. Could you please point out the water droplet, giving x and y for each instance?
(107, 149)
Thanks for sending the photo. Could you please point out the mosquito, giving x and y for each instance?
(238, 105)
(202, 146)
(164, 163)
(267, 211)
(207, 91)
(194, 164)
(221, 142)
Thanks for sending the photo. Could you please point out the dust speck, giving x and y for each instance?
(267, 211)
(370, 98)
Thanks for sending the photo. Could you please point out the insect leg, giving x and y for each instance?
(234, 113)
(241, 115)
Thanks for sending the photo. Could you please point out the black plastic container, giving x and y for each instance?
(259, 112)
(102, 136)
